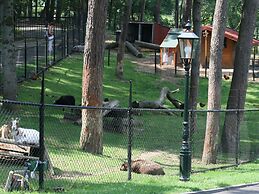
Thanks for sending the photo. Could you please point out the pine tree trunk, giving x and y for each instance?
(122, 39)
(214, 90)
(92, 83)
(195, 70)
(142, 10)
(238, 89)
(8, 51)
(157, 11)
(187, 9)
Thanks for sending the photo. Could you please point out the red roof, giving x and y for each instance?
(230, 34)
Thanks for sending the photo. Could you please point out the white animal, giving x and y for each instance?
(23, 135)
(6, 131)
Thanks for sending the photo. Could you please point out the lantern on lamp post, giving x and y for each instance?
(187, 44)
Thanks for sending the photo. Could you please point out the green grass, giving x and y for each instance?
(157, 134)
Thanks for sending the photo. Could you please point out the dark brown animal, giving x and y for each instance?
(144, 167)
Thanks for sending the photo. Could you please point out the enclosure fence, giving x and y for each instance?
(129, 135)
(32, 48)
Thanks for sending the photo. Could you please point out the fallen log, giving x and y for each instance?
(147, 45)
(157, 104)
(133, 49)
(178, 104)
(80, 48)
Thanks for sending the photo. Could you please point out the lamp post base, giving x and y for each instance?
(185, 163)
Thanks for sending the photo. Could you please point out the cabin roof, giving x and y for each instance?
(170, 40)
(230, 34)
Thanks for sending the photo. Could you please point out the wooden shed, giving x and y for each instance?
(147, 32)
(230, 42)
(169, 49)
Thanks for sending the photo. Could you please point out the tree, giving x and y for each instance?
(122, 39)
(214, 90)
(195, 70)
(187, 9)
(8, 50)
(238, 89)
(157, 11)
(142, 10)
(92, 80)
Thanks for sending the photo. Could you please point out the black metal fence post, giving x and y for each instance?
(109, 55)
(25, 57)
(41, 127)
(155, 61)
(54, 48)
(130, 132)
(46, 59)
(67, 37)
(37, 56)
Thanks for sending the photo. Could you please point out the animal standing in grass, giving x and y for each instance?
(23, 135)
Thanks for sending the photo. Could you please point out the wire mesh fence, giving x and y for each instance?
(139, 134)
(34, 52)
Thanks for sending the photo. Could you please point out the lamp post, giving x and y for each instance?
(187, 43)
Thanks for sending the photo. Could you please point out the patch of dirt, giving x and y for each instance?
(147, 65)
(160, 156)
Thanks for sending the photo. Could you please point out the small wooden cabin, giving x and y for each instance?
(147, 32)
(230, 42)
(169, 49)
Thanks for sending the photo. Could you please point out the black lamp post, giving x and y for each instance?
(187, 43)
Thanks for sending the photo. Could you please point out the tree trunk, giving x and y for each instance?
(215, 76)
(238, 89)
(110, 14)
(195, 70)
(142, 10)
(30, 9)
(187, 9)
(122, 39)
(157, 11)
(92, 92)
(176, 17)
(51, 11)
(59, 9)
(46, 9)
(8, 51)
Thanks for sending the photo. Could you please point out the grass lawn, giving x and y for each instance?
(157, 136)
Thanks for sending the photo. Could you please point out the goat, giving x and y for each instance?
(23, 135)
(6, 131)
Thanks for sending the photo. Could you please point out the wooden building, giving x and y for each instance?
(169, 49)
(230, 42)
(147, 32)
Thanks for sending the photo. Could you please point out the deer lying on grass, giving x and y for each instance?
(23, 135)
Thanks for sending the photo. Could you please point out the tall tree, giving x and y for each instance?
(176, 17)
(8, 50)
(238, 89)
(142, 10)
(157, 11)
(187, 9)
(92, 82)
(122, 39)
(214, 90)
(195, 70)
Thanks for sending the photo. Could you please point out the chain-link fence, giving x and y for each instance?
(136, 135)
(33, 49)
